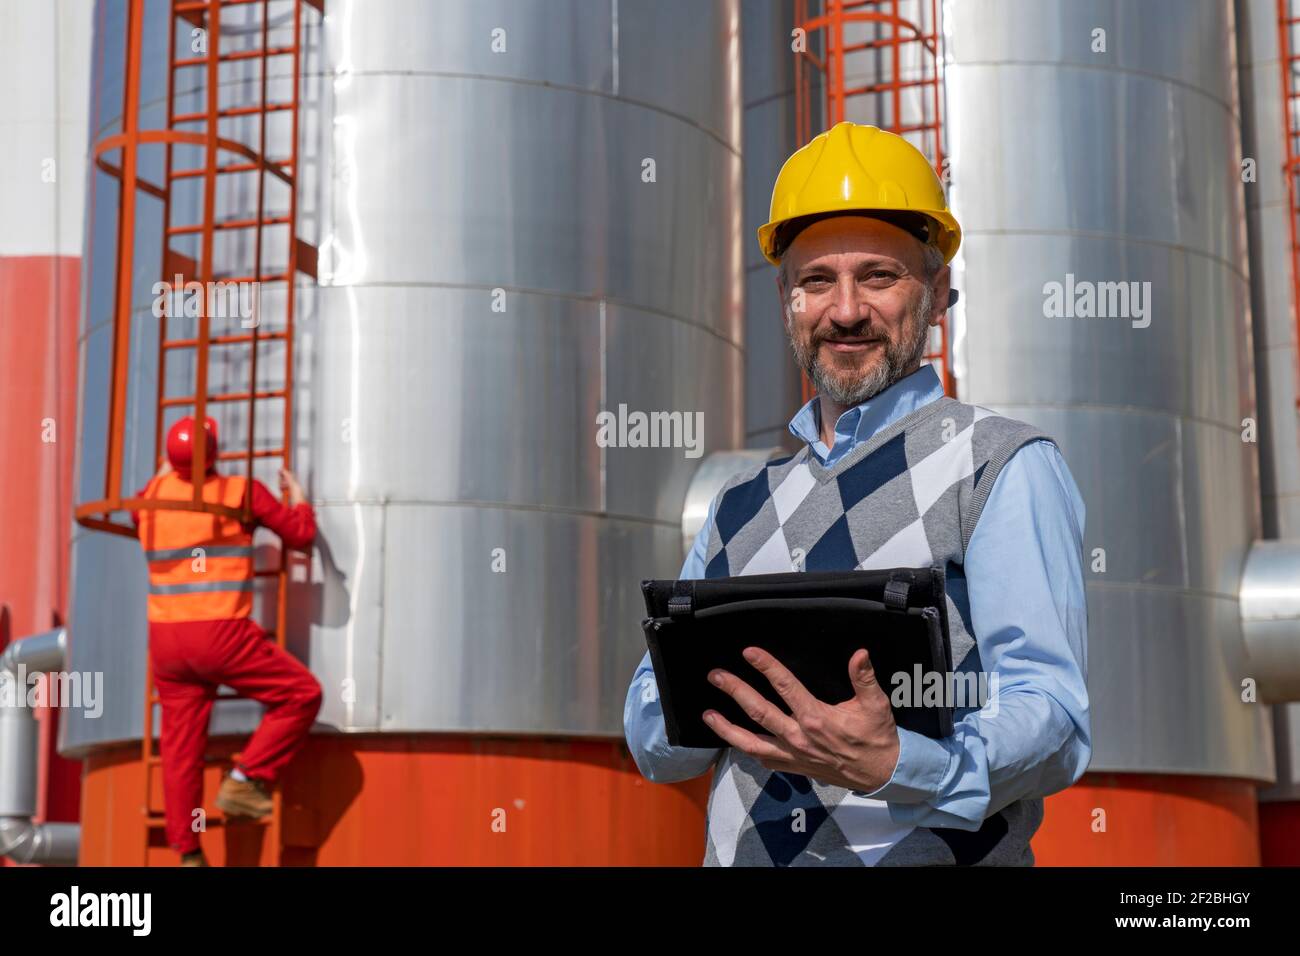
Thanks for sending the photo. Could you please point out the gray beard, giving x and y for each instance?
(899, 357)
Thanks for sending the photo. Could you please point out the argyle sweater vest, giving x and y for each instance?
(910, 496)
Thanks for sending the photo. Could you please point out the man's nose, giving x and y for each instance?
(847, 309)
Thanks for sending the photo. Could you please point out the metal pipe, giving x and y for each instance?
(1270, 618)
(50, 844)
(708, 480)
(38, 653)
(22, 840)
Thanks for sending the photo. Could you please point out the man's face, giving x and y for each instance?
(866, 305)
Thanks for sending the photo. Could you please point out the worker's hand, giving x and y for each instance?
(289, 486)
(852, 745)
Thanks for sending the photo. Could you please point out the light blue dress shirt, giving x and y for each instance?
(1024, 579)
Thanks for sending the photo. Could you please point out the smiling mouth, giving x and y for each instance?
(851, 345)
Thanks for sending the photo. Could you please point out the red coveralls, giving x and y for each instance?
(192, 658)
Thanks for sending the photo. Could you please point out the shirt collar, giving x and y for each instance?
(862, 421)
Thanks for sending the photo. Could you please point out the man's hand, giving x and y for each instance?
(289, 486)
(852, 745)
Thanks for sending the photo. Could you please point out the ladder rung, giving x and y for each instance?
(888, 42)
(193, 6)
(274, 277)
(260, 453)
(154, 820)
(229, 224)
(885, 87)
(915, 128)
(223, 339)
(229, 168)
(224, 397)
(237, 55)
(878, 44)
(233, 111)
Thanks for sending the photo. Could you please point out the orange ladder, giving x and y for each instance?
(216, 47)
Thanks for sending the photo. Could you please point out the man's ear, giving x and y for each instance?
(780, 292)
(942, 285)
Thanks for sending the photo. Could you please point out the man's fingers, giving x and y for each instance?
(866, 687)
(863, 674)
(761, 748)
(757, 707)
(782, 681)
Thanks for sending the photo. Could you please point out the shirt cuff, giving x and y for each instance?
(920, 771)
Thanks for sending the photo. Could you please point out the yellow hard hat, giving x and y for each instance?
(854, 168)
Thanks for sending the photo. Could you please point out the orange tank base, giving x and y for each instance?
(1150, 820)
(431, 800)
(427, 800)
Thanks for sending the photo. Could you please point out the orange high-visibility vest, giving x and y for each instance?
(200, 564)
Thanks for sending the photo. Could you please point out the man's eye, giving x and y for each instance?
(881, 274)
(815, 280)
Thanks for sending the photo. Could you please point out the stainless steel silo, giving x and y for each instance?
(496, 272)
(1098, 142)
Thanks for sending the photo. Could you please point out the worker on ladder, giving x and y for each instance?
(201, 635)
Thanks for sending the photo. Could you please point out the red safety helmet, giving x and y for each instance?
(180, 445)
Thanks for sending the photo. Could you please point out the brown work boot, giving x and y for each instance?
(243, 798)
(194, 859)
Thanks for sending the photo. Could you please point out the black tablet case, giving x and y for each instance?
(812, 622)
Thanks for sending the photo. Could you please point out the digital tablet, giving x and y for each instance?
(813, 622)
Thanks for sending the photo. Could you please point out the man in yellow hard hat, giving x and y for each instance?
(829, 199)
(891, 473)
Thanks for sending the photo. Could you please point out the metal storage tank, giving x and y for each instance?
(1122, 165)
(43, 49)
(497, 265)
